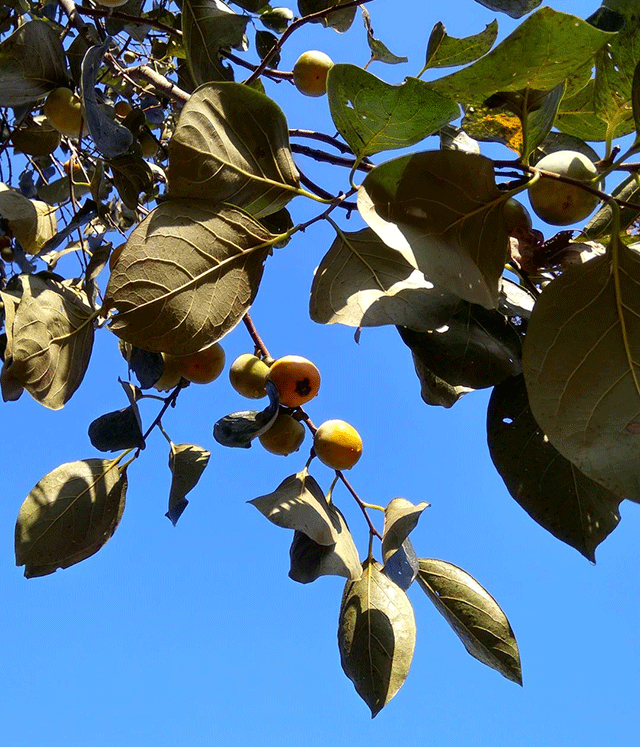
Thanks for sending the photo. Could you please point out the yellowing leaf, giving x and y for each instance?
(376, 636)
(186, 276)
(69, 515)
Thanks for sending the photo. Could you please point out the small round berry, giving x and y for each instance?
(297, 380)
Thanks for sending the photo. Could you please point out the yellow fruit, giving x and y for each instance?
(248, 376)
(310, 73)
(285, 435)
(556, 202)
(204, 366)
(337, 444)
(297, 380)
(171, 373)
(112, 3)
(64, 112)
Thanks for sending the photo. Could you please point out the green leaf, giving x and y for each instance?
(577, 116)
(186, 276)
(32, 63)
(615, 66)
(582, 363)
(474, 349)
(443, 210)
(374, 116)
(187, 462)
(265, 41)
(574, 508)
(556, 141)
(474, 615)
(32, 222)
(447, 51)
(338, 20)
(38, 138)
(132, 176)
(599, 227)
(513, 8)
(69, 515)
(376, 636)
(361, 282)
(310, 559)
(231, 144)
(547, 48)
(209, 26)
(239, 429)
(299, 503)
(147, 366)
(111, 138)
(379, 51)
(49, 341)
(455, 138)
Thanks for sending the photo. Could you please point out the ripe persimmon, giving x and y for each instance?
(297, 380)
(285, 435)
(337, 444)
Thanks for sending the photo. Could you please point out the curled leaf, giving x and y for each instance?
(240, 428)
(117, 430)
(187, 462)
(299, 503)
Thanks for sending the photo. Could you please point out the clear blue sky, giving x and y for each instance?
(195, 635)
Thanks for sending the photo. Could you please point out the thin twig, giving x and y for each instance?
(321, 155)
(253, 332)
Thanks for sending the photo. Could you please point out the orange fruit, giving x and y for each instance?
(296, 379)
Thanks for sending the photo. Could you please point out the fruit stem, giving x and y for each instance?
(253, 333)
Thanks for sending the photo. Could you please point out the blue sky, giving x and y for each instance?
(195, 635)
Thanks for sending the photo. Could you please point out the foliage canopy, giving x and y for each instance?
(196, 174)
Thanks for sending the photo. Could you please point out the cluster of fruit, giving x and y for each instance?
(336, 443)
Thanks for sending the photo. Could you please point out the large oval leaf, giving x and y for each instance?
(49, 338)
(582, 368)
(374, 116)
(474, 615)
(551, 489)
(376, 636)
(32, 63)
(69, 515)
(445, 212)
(232, 145)
(186, 276)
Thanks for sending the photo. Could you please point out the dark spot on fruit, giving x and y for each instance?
(303, 387)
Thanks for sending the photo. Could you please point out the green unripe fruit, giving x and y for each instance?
(559, 203)
(516, 218)
(277, 19)
(285, 435)
(248, 376)
(63, 109)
